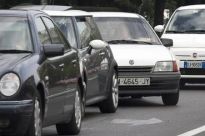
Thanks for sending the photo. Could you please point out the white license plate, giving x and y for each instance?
(193, 64)
(129, 81)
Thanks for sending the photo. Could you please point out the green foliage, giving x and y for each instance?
(129, 5)
(147, 10)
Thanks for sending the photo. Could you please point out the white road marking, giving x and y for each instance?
(194, 131)
(137, 122)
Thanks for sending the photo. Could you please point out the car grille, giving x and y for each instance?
(131, 71)
(189, 71)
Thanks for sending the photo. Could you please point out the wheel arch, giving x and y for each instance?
(81, 79)
(41, 91)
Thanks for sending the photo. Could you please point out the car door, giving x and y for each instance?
(88, 56)
(70, 74)
(52, 73)
(69, 69)
(103, 59)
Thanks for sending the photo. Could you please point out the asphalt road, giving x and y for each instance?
(147, 117)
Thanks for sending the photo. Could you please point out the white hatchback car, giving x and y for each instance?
(187, 30)
(145, 66)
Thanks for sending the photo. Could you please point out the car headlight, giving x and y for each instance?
(166, 66)
(9, 84)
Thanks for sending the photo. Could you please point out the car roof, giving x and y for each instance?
(200, 6)
(43, 7)
(67, 13)
(22, 13)
(115, 14)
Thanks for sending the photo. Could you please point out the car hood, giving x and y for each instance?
(142, 55)
(9, 61)
(186, 40)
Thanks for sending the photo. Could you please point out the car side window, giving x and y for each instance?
(84, 31)
(87, 30)
(66, 26)
(52, 31)
(55, 34)
(95, 33)
(42, 32)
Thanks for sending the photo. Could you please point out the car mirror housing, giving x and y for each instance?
(53, 50)
(159, 28)
(98, 44)
(167, 42)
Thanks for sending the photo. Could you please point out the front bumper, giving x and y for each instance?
(15, 117)
(192, 75)
(162, 83)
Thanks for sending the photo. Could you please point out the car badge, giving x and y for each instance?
(131, 62)
(194, 55)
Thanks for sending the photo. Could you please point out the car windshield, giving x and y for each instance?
(187, 21)
(15, 35)
(126, 30)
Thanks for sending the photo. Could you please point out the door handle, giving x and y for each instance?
(84, 59)
(61, 65)
(102, 54)
(74, 61)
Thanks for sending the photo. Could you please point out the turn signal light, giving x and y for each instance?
(175, 67)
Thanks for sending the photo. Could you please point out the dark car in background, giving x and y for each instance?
(97, 64)
(40, 76)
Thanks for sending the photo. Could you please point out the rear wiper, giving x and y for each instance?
(129, 42)
(15, 51)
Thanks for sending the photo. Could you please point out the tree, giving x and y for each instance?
(159, 12)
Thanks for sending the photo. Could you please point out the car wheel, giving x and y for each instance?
(170, 99)
(35, 128)
(83, 98)
(110, 105)
(73, 127)
(182, 84)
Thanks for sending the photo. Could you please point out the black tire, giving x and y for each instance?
(170, 99)
(74, 126)
(32, 130)
(182, 84)
(84, 87)
(110, 105)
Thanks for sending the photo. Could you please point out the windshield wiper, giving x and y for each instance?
(15, 51)
(129, 42)
(195, 31)
(174, 31)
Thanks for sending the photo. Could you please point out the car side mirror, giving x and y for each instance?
(167, 42)
(159, 28)
(53, 50)
(98, 44)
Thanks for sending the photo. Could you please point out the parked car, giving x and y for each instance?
(98, 66)
(186, 28)
(145, 66)
(40, 76)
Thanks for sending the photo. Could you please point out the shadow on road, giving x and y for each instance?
(128, 102)
(92, 114)
(193, 87)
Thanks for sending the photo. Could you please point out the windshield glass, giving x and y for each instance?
(126, 29)
(14, 34)
(187, 21)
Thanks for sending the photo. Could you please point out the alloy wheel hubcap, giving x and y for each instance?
(115, 92)
(37, 118)
(77, 109)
